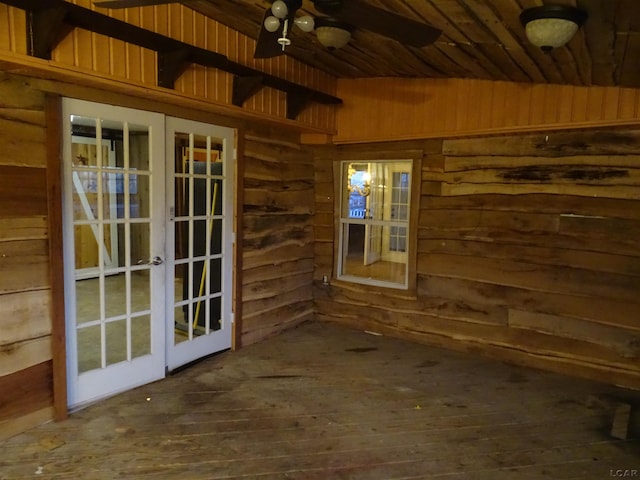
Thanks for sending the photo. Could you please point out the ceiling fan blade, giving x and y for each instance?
(383, 22)
(130, 3)
(267, 45)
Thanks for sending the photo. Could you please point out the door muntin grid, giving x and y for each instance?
(111, 199)
(199, 229)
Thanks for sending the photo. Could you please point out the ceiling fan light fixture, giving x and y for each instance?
(332, 33)
(271, 23)
(552, 26)
(333, 37)
(280, 9)
(305, 23)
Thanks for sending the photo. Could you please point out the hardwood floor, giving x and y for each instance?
(326, 402)
(381, 270)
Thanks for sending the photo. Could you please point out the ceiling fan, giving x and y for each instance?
(334, 27)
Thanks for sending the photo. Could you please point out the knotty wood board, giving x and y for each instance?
(23, 192)
(26, 391)
(608, 312)
(625, 342)
(25, 316)
(21, 355)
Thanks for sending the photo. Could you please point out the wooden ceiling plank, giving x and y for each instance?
(567, 65)
(599, 32)
(467, 46)
(455, 44)
(629, 72)
(456, 12)
(423, 67)
(509, 69)
(622, 40)
(485, 15)
(505, 14)
(469, 65)
(580, 51)
(430, 14)
(443, 58)
(481, 39)
(626, 16)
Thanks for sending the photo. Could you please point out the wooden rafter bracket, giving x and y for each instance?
(296, 101)
(51, 20)
(171, 65)
(48, 28)
(244, 87)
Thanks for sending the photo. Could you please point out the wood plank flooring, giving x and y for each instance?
(325, 402)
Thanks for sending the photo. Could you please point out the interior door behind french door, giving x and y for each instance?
(114, 231)
(199, 239)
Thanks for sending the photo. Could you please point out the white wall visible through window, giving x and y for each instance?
(374, 222)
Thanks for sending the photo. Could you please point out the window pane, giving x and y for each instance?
(375, 219)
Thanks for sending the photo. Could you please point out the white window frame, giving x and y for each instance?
(344, 219)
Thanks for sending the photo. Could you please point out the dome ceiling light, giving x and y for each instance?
(551, 26)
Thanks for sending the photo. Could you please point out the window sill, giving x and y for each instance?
(389, 292)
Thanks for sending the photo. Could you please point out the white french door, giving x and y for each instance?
(396, 208)
(199, 239)
(373, 231)
(114, 296)
(130, 281)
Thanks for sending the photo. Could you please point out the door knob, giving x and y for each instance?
(156, 261)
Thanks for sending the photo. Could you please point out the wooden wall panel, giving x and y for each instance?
(277, 238)
(90, 52)
(401, 108)
(546, 274)
(26, 393)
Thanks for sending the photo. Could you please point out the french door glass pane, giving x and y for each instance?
(115, 295)
(116, 341)
(89, 352)
(197, 235)
(140, 335)
(111, 195)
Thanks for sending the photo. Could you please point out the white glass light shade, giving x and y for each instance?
(279, 9)
(271, 23)
(305, 23)
(333, 37)
(550, 33)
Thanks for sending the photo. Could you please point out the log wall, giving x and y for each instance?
(26, 386)
(528, 251)
(278, 234)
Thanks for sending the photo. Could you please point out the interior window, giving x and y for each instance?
(374, 222)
